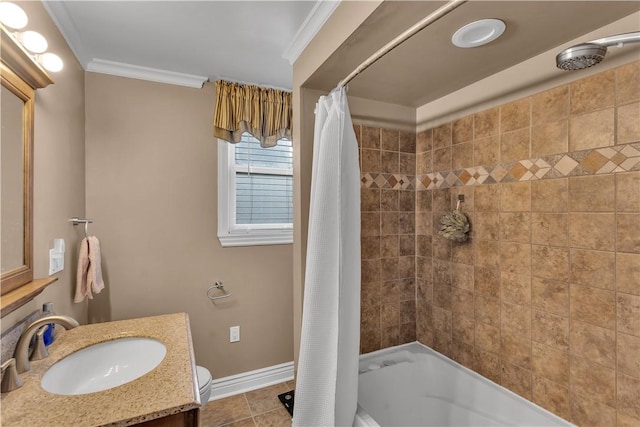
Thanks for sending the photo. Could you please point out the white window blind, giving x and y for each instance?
(255, 193)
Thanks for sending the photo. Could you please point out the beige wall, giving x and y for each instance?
(152, 192)
(58, 171)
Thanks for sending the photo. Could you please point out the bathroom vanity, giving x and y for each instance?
(166, 396)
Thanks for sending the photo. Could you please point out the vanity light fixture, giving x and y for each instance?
(14, 19)
(478, 33)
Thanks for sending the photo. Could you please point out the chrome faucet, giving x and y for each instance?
(22, 348)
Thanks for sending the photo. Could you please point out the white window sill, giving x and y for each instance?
(256, 238)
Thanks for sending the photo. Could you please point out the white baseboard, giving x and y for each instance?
(252, 380)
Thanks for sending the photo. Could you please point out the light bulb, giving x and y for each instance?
(51, 62)
(12, 16)
(33, 42)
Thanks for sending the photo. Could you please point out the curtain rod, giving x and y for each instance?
(421, 25)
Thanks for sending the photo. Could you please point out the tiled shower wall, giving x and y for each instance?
(544, 298)
(388, 301)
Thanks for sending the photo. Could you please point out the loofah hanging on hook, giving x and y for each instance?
(454, 226)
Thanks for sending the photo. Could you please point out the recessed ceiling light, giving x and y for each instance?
(478, 33)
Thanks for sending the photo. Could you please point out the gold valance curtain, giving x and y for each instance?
(263, 112)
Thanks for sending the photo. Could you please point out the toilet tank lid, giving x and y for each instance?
(204, 376)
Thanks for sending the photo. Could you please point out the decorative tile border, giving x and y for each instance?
(617, 158)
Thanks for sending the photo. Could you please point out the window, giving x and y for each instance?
(255, 193)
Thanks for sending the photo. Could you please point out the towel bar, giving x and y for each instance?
(75, 221)
(218, 285)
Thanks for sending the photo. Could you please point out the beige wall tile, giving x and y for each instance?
(442, 159)
(550, 195)
(628, 349)
(486, 123)
(515, 349)
(549, 229)
(370, 160)
(442, 342)
(593, 268)
(389, 200)
(516, 379)
(389, 140)
(442, 200)
(550, 138)
(515, 257)
(550, 363)
(424, 141)
(515, 288)
(628, 123)
(516, 319)
(486, 151)
(369, 200)
(628, 273)
(515, 227)
(408, 163)
(390, 246)
(423, 200)
(628, 233)
(487, 311)
(462, 155)
(487, 282)
(550, 295)
(550, 330)
(593, 343)
(487, 254)
(487, 364)
(390, 336)
(487, 338)
(371, 137)
(461, 302)
(594, 193)
(551, 396)
(586, 377)
(515, 197)
(515, 115)
(462, 276)
(462, 130)
(463, 253)
(370, 247)
(515, 145)
(389, 315)
(462, 353)
(628, 192)
(592, 130)
(442, 136)
(628, 315)
(550, 106)
(370, 224)
(593, 93)
(588, 412)
(464, 330)
(592, 231)
(407, 142)
(389, 223)
(628, 395)
(389, 162)
(628, 83)
(487, 198)
(594, 306)
(550, 262)
(407, 201)
(424, 162)
(486, 225)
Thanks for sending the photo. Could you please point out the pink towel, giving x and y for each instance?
(89, 270)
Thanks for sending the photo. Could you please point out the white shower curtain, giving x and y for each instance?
(327, 378)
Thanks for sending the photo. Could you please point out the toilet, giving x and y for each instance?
(204, 384)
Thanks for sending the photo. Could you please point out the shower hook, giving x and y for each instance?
(75, 221)
(460, 200)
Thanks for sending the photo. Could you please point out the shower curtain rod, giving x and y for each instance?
(421, 25)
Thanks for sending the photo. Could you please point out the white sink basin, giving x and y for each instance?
(103, 366)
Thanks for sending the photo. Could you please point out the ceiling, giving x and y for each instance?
(237, 40)
(256, 41)
(428, 66)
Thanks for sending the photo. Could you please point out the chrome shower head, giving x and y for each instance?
(580, 56)
(592, 53)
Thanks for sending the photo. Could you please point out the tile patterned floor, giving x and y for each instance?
(257, 408)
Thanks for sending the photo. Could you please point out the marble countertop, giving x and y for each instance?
(168, 389)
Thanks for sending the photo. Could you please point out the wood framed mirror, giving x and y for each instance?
(21, 75)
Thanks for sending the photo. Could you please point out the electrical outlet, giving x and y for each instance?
(234, 334)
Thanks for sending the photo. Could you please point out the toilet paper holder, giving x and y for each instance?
(217, 286)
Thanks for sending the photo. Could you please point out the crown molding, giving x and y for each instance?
(321, 11)
(60, 16)
(144, 73)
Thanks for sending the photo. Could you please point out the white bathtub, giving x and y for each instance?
(413, 385)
